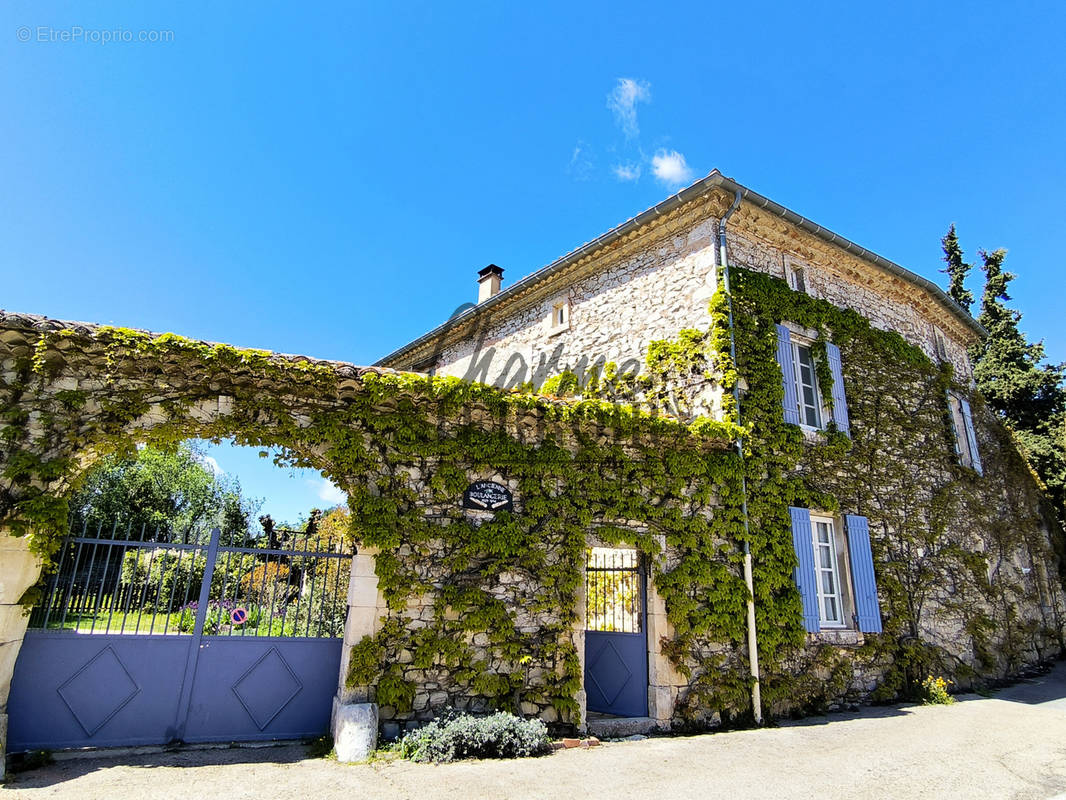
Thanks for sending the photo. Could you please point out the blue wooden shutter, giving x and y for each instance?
(867, 606)
(971, 438)
(788, 376)
(840, 403)
(804, 574)
(956, 434)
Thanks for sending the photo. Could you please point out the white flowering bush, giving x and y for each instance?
(455, 736)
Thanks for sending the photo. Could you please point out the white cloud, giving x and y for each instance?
(627, 172)
(623, 101)
(581, 165)
(329, 492)
(211, 463)
(671, 168)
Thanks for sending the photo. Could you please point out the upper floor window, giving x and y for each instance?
(805, 402)
(941, 344)
(797, 277)
(808, 397)
(559, 318)
(964, 435)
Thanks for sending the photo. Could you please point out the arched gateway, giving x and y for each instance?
(491, 602)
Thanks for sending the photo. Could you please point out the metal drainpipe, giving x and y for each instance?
(753, 644)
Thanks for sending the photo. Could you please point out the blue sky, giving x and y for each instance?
(329, 181)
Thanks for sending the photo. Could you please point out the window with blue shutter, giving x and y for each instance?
(840, 403)
(802, 537)
(867, 604)
(965, 439)
(790, 403)
(971, 438)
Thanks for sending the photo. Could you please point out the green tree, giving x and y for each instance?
(1010, 371)
(1019, 384)
(957, 269)
(166, 493)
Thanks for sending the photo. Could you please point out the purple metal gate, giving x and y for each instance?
(616, 644)
(118, 654)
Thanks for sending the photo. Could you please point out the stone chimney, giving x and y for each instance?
(488, 282)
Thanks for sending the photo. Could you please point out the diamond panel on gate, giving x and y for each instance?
(610, 673)
(267, 687)
(98, 691)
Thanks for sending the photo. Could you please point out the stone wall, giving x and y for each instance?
(18, 572)
(659, 280)
(645, 292)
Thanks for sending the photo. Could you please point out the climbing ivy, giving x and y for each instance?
(484, 605)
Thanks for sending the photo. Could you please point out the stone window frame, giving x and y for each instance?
(793, 266)
(940, 344)
(805, 337)
(559, 305)
(842, 572)
(958, 428)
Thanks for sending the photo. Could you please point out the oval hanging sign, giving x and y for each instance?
(488, 496)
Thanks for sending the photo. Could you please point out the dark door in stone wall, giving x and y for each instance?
(616, 641)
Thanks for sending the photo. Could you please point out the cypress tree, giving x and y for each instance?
(1009, 370)
(957, 269)
(1024, 390)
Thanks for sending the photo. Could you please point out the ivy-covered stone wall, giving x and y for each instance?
(966, 564)
(495, 597)
(482, 611)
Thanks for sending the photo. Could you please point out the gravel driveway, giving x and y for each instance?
(1012, 745)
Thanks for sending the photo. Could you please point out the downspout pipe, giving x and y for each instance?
(753, 642)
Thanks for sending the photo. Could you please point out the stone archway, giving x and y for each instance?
(71, 392)
(476, 608)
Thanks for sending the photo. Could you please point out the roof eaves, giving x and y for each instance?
(714, 180)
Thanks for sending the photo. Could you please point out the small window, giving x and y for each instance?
(797, 278)
(941, 344)
(559, 319)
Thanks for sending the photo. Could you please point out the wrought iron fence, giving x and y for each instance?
(614, 590)
(139, 582)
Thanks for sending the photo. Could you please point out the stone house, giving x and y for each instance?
(732, 465)
(919, 541)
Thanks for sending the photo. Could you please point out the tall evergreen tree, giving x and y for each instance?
(957, 269)
(1010, 371)
(1018, 383)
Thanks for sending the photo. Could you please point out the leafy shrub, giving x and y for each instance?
(935, 692)
(455, 736)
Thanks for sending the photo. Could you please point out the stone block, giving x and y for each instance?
(660, 702)
(363, 566)
(361, 622)
(13, 620)
(549, 715)
(19, 568)
(355, 731)
(363, 592)
(8, 653)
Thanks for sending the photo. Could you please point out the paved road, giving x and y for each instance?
(1012, 745)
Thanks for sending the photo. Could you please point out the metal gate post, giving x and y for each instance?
(197, 637)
